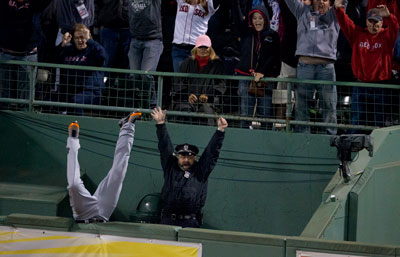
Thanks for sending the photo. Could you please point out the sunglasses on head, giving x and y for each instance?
(202, 47)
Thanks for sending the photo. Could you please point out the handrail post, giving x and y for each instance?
(32, 80)
(160, 82)
(288, 105)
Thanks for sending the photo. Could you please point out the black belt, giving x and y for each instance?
(17, 53)
(91, 220)
(174, 216)
(184, 46)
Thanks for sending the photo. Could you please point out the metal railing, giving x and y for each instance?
(66, 89)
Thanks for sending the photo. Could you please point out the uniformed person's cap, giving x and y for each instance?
(186, 149)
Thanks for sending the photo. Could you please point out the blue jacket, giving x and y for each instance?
(93, 55)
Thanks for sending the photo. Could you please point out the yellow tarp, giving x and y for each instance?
(30, 242)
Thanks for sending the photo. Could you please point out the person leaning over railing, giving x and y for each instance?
(317, 34)
(81, 86)
(259, 58)
(200, 94)
(371, 61)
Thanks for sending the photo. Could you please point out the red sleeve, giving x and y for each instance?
(346, 24)
(393, 28)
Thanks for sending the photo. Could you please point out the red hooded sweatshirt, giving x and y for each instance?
(371, 59)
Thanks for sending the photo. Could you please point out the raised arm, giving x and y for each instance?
(209, 158)
(296, 7)
(164, 142)
(346, 24)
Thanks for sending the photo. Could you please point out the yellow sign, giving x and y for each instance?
(17, 242)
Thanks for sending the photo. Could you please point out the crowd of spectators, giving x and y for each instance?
(311, 40)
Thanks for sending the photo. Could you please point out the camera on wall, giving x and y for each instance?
(346, 144)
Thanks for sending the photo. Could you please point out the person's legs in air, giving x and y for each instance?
(83, 204)
(110, 187)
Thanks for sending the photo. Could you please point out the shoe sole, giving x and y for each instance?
(135, 114)
(73, 131)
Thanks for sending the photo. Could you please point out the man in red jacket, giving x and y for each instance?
(394, 8)
(371, 60)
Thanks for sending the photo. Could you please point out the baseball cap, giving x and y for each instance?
(203, 40)
(186, 149)
(373, 14)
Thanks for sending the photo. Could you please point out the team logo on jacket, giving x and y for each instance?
(369, 46)
(75, 58)
(139, 5)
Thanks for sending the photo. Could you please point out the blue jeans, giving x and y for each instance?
(116, 42)
(178, 55)
(397, 48)
(86, 97)
(367, 106)
(327, 94)
(14, 79)
(247, 103)
(144, 55)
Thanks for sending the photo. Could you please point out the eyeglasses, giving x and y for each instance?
(202, 47)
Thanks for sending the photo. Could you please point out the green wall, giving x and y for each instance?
(265, 181)
(366, 209)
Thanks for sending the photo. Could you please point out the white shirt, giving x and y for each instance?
(191, 22)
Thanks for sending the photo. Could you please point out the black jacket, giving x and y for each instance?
(182, 195)
(267, 59)
(183, 87)
(67, 15)
(112, 13)
(20, 24)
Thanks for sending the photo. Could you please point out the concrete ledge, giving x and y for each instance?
(39, 222)
(231, 236)
(139, 230)
(338, 247)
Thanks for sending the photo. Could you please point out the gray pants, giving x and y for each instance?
(103, 202)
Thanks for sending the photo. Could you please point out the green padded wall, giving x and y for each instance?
(265, 182)
(366, 209)
(373, 201)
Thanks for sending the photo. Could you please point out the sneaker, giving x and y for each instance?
(73, 129)
(130, 118)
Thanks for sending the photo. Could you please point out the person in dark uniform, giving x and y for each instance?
(185, 179)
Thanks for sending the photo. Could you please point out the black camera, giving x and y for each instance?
(346, 144)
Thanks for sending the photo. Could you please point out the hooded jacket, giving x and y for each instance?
(319, 40)
(145, 19)
(372, 53)
(265, 45)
